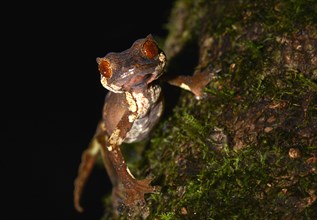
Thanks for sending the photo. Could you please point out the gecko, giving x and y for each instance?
(132, 107)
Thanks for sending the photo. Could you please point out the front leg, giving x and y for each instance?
(127, 190)
(195, 83)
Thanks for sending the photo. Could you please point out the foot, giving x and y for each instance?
(195, 83)
(130, 195)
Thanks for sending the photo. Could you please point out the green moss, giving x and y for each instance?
(254, 183)
(167, 216)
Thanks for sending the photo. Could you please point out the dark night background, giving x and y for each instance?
(52, 98)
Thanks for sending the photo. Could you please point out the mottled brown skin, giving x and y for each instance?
(132, 108)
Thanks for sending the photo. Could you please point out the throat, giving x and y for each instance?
(146, 98)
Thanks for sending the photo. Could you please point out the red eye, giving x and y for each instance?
(105, 69)
(150, 49)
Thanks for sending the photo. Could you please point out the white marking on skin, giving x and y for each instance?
(104, 81)
(95, 147)
(142, 103)
(129, 172)
(114, 138)
(131, 102)
(132, 118)
(184, 86)
(155, 92)
(111, 87)
(162, 57)
(109, 148)
(160, 110)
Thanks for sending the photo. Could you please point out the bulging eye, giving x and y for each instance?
(150, 49)
(104, 68)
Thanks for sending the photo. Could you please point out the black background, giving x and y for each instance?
(52, 97)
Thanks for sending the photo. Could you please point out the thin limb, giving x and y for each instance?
(87, 162)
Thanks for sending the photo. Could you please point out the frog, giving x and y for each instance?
(133, 106)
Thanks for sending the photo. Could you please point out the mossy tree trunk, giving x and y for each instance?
(248, 149)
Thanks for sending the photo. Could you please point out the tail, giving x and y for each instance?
(87, 162)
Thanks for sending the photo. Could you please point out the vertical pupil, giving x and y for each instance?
(150, 49)
(104, 69)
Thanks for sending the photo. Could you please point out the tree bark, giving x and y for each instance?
(248, 149)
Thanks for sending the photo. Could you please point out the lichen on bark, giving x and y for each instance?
(248, 149)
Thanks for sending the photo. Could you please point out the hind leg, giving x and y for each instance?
(87, 162)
